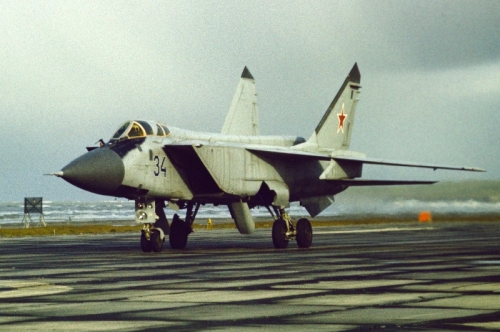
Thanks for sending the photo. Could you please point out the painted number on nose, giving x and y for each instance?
(160, 167)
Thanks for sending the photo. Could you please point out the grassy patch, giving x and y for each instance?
(66, 229)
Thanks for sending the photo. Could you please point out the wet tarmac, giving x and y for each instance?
(411, 277)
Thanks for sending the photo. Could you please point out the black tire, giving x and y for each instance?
(280, 240)
(156, 240)
(304, 233)
(145, 243)
(178, 234)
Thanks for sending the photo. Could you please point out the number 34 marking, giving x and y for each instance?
(160, 167)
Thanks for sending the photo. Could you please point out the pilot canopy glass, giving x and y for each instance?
(138, 128)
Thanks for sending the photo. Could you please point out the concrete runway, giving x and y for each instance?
(412, 277)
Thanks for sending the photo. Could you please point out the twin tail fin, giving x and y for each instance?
(243, 116)
(335, 128)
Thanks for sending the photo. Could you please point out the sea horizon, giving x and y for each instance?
(448, 198)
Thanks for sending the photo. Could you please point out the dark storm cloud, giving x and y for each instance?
(72, 71)
(432, 35)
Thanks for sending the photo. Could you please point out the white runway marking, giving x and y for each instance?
(391, 229)
(29, 288)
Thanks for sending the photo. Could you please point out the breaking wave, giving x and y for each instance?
(124, 210)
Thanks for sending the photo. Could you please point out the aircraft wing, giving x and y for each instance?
(287, 153)
(373, 161)
(362, 182)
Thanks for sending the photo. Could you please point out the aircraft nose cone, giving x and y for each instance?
(100, 171)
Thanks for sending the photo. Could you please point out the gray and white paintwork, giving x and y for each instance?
(237, 167)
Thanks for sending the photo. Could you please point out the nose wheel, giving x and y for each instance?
(145, 242)
(152, 239)
(156, 240)
(150, 213)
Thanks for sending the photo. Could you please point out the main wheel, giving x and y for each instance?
(304, 233)
(280, 239)
(145, 243)
(155, 240)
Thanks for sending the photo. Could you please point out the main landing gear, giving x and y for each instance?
(283, 231)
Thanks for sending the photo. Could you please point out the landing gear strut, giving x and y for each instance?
(283, 231)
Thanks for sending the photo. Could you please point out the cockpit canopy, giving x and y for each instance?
(138, 128)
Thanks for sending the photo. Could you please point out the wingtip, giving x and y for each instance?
(354, 74)
(246, 73)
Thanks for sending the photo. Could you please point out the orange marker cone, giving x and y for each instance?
(425, 216)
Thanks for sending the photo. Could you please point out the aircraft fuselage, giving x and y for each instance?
(156, 167)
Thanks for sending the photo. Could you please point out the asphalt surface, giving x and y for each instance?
(412, 277)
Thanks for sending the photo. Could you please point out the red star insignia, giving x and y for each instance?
(341, 117)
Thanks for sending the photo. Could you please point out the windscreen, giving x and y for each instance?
(121, 130)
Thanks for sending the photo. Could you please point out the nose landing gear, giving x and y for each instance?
(155, 225)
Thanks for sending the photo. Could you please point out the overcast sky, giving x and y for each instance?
(72, 71)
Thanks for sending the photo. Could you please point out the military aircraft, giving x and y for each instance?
(153, 163)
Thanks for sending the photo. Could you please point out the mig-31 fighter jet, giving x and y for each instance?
(153, 164)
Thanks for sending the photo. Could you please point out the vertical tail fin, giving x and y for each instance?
(243, 117)
(335, 128)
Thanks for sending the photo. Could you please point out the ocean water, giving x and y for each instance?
(345, 208)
